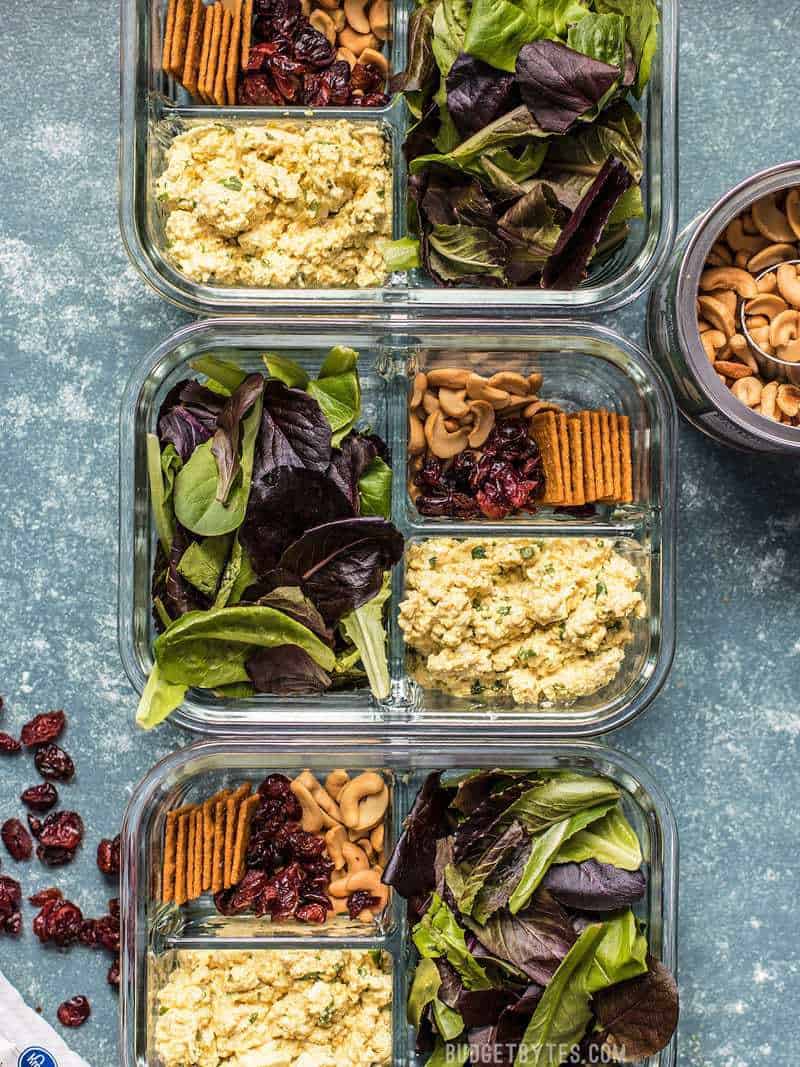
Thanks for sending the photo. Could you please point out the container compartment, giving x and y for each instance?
(152, 106)
(582, 365)
(148, 945)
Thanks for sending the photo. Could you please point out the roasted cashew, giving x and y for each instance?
(340, 905)
(713, 341)
(788, 400)
(307, 779)
(540, 405)
(416, 434)
(338, 887)
(748, 390)
(731, 370)
(767, 284)
(717, 314)
(790, 353)
(322, 22)
(328, 804)
(357, 42)
(793, 211)
(442, 443)
(379, 19)
(355, 858)
(756, 322)
(354, 11)
(789, 284)
(768, 304)
(729, 278)
(335, 783)
(370, 882)
(430, 403)
(771, 221)
(314, 817)
(784, 328)
(513, 383)
(770, 257)
(478, 388)
(347, 56)
(448, 378)
(336, 839)
(375, 59)
(739, 241)
(535, 381)
(453, 402)
(363, 802)
(484, 423)
(420, 383)
(377, 837)
(769, 396)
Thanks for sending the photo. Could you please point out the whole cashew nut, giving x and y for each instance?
(377, 837)
(789, 284)
(441, 442)
(357, 42)
(784, 328)
(453, 402)
(347, 56)
(420, 386)
(478, 388)
(324, 24)
(354, 11)
(335, 783)
(307, 779)
(448, 378)
(328, 804)
(771, 221)
(355, 858)
(379, 19)
(788, 400)
(336, 839)
(793, 211)
(416, 434)
(713, 341)
(314, 817)
(748, 390)
(484, 422)
(739, 241)
(768, 304)
(770, 257)
(517, 384)
(717, 314)
(375, 59)
(729, 278)
(363, 802)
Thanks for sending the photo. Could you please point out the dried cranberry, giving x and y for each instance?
(10, 901)
(112, 977)
(306, 846)
(62, 829)
(43, 728)
(16, 839)
(34, 825)
(88, 934)
(370, 100)
(337, 78)
(40, 797)
(54, 857)
(311, 913)
(108, 855)
(367, 77)
(275, 787)
(358, 901)
(41, 898)
(106, 932)
(8, 744)
(74, 1012)
(113, 907)
(285, 76)
(276, 18)
(313, 49)
(59, 921)
(53, 762)
(258, 56)
(258, 90)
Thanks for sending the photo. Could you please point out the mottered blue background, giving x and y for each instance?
(75, 318)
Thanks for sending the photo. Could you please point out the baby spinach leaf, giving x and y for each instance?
(364, 628)
(237, 576)
(209, 648)
(545, 848)
(337, 390)
(594, 887)
(535, 941)
(159, 699)
(290, 600)
(225, 443)
(637, 1018)
(285, 370)
(439, 935)
(162, 467)
(375, 489)
(610, 840)
(341, 564)
(196, 504)
(496, 31)
(228, 375)
(203, 563)
(563, 1013)
(448, 1021)
(286, 670)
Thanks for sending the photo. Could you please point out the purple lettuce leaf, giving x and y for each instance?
(284, 503)
(348, 463)
(637, 1018)
(566, 267)
(482, 825)
(188, 417)
(477, 1008)
(411, 867)
(535, 940)
(594, 887)
(497, 1044)
(294, 432)
(478, 787)
(341, 564)
(558, 84)
(225, 445)
(292, 602)
(286, 670)
(477, 94)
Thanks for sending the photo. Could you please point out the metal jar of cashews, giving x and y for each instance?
(724, 315)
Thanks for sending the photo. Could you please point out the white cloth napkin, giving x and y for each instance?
(26, 1040)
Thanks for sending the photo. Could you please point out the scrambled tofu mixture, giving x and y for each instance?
(279, 204)
(276, 1009)
(534, 620)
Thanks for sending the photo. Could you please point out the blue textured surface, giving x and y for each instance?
(74, 318)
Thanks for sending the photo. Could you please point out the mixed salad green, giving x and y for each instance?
(525, 157)
(274, 548)
(520, 889)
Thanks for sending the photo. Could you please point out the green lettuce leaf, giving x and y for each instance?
(285, 370)
(226, 374)
(402, 254)
(621, 954)
(337, 390)
(448, 1055)
(203, 563)
(516, 126)
(159, 699)
(557, 798)
(375, 489)
(496, 31)
(162, 469)
(611, 839)
(582, 153)
(641, 29)
(459, 252)
(438, 935)
(601, 37)
(364, 628)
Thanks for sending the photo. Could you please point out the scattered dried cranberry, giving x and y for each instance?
(59, 921)
(258, 90)
(40, 797)
(311, 913)
(370, 100)
(275, 787)
(53, 762)
(62, 829)
(8, 744)
(43, 728)
(74, 1012)
(358, 901)
(113, 907)
(16, 839)
(113, 974)
(10, 901)
(41, 898)
(313, 48)
(107, 933)
(54, 857)
(34, 825)
(366, 77)
(108, 855)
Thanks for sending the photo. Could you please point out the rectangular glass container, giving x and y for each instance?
(154, 110)
(583, 365)
(151, 932)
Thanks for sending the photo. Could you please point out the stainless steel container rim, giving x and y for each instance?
(705, 231)
(405, 324)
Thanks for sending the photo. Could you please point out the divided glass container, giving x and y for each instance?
(152, 933)
(155, 109)
(583, 367)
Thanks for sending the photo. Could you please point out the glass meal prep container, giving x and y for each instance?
(152, 933)
(583, 366)
(155, 109)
